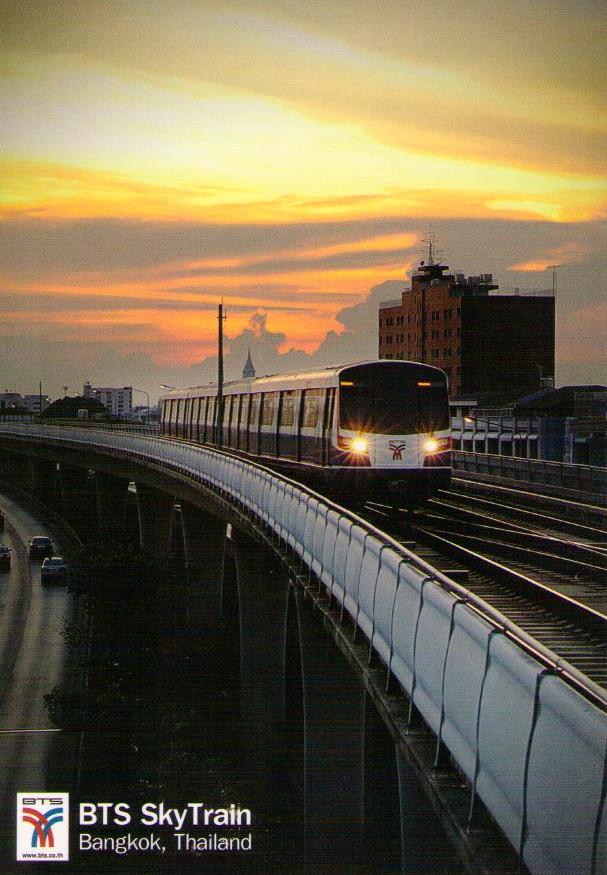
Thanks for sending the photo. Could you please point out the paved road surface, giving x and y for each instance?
(32, 661)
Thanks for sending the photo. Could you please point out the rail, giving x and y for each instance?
(525, 728)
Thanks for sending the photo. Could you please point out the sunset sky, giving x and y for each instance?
(288, 157)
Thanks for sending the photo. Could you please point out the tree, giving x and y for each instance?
(68, 407)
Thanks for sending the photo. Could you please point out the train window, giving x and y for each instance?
(210, 417)
(244, 412)
(227, 410)
(267, 408)
(254, 412)
(202, 416)
(390, 399)
(287, 409)
(311, 409)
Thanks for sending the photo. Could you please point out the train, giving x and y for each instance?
(369, 431)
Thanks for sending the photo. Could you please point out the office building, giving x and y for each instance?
(488, 343)
(117, 400)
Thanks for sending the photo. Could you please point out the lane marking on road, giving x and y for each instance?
(19, 731)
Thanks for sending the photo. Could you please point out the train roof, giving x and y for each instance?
(312, 379)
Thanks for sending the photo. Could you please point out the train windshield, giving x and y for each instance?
(393, 398)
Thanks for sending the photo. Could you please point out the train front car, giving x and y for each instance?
(392, 432)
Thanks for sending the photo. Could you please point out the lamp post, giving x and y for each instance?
(147, 418)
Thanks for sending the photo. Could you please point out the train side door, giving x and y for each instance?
(327, 423)
(253, 445)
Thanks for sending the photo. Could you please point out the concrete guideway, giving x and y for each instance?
(531, 745)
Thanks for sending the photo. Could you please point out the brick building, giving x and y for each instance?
(486, 343)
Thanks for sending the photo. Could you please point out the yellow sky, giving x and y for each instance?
(273, 112)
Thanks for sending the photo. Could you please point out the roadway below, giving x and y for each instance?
(33, 659)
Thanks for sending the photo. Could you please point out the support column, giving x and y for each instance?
(155, 510)
(263, 591)
(78, 504)
(334, 719)
(204, 540)
(112, 494)
(424, 848)
(43, 479)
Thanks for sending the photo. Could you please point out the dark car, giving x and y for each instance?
(40, 546)
(5, 558)
(54, 570)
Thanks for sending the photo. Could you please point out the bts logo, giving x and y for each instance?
(397, 449)
(43, 827)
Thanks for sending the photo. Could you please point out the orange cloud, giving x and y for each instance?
(565, 254)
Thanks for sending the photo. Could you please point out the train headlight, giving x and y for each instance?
(431, 446)
(359, 446)
(437, 445)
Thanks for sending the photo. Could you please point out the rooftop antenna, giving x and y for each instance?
(433, 252)
(431, 242)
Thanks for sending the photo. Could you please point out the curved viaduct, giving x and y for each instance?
(525, 732)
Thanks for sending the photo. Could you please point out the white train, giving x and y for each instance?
(376, 430)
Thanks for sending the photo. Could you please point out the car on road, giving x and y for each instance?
(40, 546)
(54, 570)
(5, 557)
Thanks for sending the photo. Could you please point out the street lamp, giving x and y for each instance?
(147, 418)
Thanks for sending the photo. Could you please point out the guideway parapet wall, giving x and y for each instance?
(527, 731)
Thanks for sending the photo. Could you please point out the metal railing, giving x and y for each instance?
(527, 730)
(582, 478)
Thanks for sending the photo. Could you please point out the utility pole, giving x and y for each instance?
(219, 403)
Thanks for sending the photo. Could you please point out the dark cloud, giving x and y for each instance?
(34, 246)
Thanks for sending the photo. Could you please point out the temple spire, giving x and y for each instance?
(248, 371)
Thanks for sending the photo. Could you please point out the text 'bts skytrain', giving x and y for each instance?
(376, 430)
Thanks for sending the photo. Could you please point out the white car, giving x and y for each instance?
(54, 570)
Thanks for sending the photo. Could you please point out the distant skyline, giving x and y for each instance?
(288, 157)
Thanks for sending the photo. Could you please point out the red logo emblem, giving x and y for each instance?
(397, 449)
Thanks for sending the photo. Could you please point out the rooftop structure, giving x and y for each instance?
(486, 343)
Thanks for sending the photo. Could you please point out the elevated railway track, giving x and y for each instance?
(546, 572)
(523, 720)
